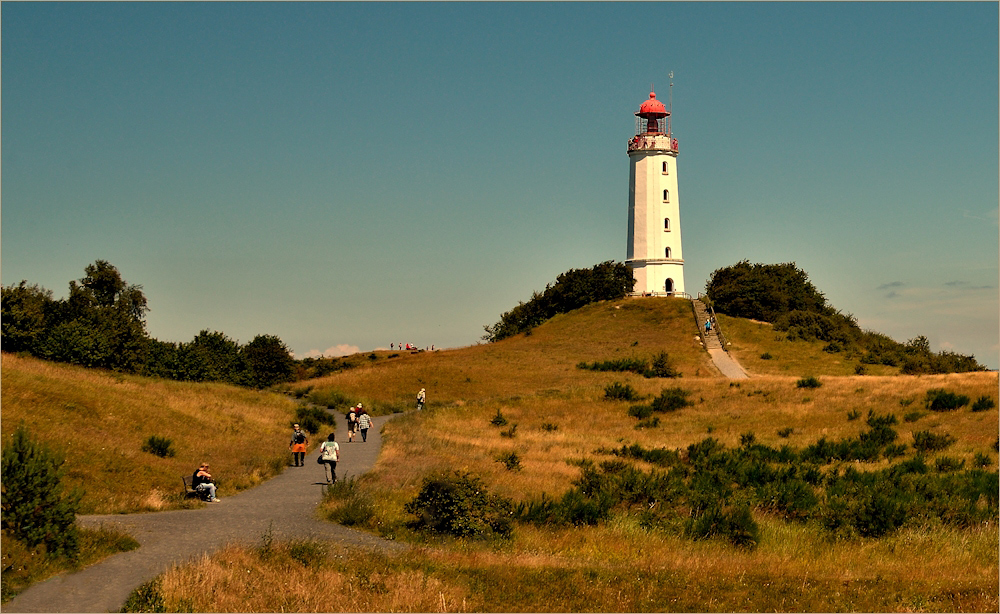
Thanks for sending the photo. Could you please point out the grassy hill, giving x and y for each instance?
(99, 421)
(558, 422)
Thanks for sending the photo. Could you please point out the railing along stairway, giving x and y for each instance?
(713, 338)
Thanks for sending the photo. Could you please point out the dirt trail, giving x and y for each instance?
(284, 505)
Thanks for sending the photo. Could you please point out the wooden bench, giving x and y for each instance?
(189, 491)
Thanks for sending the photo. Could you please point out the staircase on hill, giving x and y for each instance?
(711, 338)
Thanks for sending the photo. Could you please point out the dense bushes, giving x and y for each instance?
(35, 509)
(571, 290)
(102, 324)
(783, 295)
(708, 490)
(457, 504)
(659, 366)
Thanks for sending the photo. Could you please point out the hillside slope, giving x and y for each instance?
(99, 421)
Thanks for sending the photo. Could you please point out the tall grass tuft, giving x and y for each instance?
(159, 446)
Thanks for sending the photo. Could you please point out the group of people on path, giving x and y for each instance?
(358, 420)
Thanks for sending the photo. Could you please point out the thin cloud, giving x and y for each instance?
(342, 349)
(891, 284)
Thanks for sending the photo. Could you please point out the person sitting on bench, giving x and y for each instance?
(201, 482)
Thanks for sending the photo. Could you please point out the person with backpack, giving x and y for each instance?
(421, 398)
(329, 454)
(352, 422)
(298, 446)
(364, 423)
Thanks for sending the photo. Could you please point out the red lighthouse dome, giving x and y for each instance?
(652, 108)
(651, 111)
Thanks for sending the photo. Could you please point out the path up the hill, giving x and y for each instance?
(722, 359)
(284, 506)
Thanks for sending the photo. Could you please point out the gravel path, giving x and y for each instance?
(727, 364)
(284, 505)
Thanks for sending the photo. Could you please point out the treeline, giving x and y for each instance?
(783, 295)
(571, 290)
(102, 323)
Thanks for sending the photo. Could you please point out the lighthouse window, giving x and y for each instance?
(666, 196)
(667, 254)
(666, 169)
(666, 224)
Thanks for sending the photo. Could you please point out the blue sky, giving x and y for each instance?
(350, 175)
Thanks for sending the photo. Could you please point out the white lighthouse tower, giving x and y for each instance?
(654, 221)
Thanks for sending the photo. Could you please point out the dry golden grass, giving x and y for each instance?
(99, 421)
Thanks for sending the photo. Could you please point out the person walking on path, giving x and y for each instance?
(352, 422)
(421, 397)
(329, 454)
(201, 481)
(364, 423)
(298, 446)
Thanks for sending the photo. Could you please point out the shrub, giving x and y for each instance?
(159, 446)
(946, 464)
(913, 416)
(983, 403)
(640, 411)
(34, 509)
(147, 597)
(550, 427)
(982, 460)
(766, 356)
(734, 524)
(634, 365)
(808, 382)
(926, 441)
(509, 433)
(894, 451)
(853, 415)
(498, 420)
(618, 391)
(671, 399)
(785, 432)
(661, 367)
(458, 504)
(939, 399)
(648, 424)
(510, 460)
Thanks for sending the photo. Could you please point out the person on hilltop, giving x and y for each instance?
(201, 481)
(352, 422)
(421, 398)
(364, 423)
(329, 454)
(298, 446)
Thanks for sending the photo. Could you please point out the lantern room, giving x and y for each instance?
(650, 118)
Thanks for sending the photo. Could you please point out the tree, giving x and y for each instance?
(26, 313)
(573, 289)
(268, 361)
(764, 291)
(34, 507)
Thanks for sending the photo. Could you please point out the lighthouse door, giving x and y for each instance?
(669, 286)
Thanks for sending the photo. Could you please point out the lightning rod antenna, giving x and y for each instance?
(670, 98)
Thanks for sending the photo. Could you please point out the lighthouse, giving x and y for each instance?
(654, 221)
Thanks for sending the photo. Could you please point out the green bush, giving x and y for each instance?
(808, 382)
(458, 504)
(509, 433)
(926, 441)
(618, 391)
(671, 399)
(634, 365)
(510, 460)
(661, 367)
(947, 464)
(766, 356)
(983, 403)
(785, 432)
(640, 411)
(159, 446)
(735, 524)
(913, 416)
(148, 597)
(34, 507)
(939, 399)
(312, 419)
(499, 420)
(982, 460)
(356, 506)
